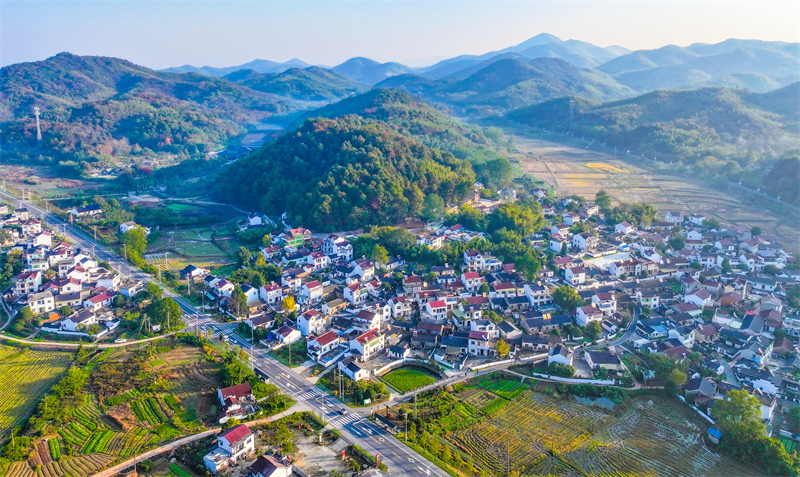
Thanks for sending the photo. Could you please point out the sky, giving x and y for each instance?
(164, 33)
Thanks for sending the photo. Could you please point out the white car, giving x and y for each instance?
(120, 340)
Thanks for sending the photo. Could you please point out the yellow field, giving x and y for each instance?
(575, 171)
(26, 375)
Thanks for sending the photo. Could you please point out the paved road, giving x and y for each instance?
(355, 426)
(624, 338)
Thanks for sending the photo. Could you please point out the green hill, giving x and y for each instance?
(344, 173)
(415, 118)
(511, 83)
(311, 84)
(684, 126)
(101, 110)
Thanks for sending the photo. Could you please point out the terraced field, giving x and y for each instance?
(26, 375)
(505, 426)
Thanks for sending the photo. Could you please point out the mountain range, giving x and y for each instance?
(100, 109)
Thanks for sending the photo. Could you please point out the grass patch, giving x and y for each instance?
(408, 379)
(292, 355)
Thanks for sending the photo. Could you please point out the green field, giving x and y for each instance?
(408, 379)
(26, 375)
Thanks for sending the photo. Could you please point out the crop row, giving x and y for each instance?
(98, 442)
(173, 404)
(507, 389)
(494, 406)
(122, 398)
(55, 448)
(87, 419)
(147, 410)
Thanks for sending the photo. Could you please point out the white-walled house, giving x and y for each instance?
(310, 293)
(586, 314)
(233, 446)
(575, 275)
(311, 322)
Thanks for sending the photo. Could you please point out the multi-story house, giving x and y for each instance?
(272, 294)
(368, 344)
(605, 302)
(310, 293)
(311, 322)
(402, 307)
(27, 282)
(233, 446)
(356, 293)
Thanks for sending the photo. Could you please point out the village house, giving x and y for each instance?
(233, 446)
(368, 344)
(560, 354)
(319, 346)
(237, 402)
(311, 322)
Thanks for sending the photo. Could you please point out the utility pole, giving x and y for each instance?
(38, 126)
(125, 247)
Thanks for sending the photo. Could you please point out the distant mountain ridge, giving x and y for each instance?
(309, 84)
(260, 66)
(510, 83)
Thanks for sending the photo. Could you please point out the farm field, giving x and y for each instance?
(206, 246)
(26, 375)
(100, 430)
(498, 424)
(571, 170)
(407, 379)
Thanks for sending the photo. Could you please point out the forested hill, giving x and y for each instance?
(412, 117)
(730, 126)
(97, 111)
(344, 173)
(310, 84)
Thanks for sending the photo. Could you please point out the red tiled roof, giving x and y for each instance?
(368, 336)
(238, 391)
(326, 338)
(236, 433)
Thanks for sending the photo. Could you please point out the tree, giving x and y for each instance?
(793, 419)
(677, 377)
(726, 265)
(708, 315)
(266, 241)
(755, 231)
(238, 302)
(522, 220)
(153, 291)
(65, 310)
(432, 208)
(502, 348)
(528, 265)
(771, 270)
(379, 254)
(258, 280)
(289, 304)
(712, 223)
(260, 260)
(564, 249)
(243, 256)
(603, 200)
(739, 410)
(166, 312)
(593, 330)
(562, 370)
(567, 297)
(136, 241)
(677, 241)
(484, 288)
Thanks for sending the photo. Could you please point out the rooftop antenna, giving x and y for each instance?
(38, 126)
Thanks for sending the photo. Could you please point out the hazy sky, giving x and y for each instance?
(160, 34)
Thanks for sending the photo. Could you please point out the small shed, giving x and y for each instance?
(714, 434)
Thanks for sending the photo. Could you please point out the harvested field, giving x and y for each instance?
(571, 170)
(26, 375)
(502, 425)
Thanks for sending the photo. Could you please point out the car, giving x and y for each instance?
(120, 340)
(342, 411)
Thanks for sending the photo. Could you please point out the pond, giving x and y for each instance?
(603, 402)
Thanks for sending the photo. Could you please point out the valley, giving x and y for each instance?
(571, 170)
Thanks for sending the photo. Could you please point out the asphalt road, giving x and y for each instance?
(354, 425)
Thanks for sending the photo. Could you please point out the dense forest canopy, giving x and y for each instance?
(344, 173)
(679, 125)
(412, 117)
